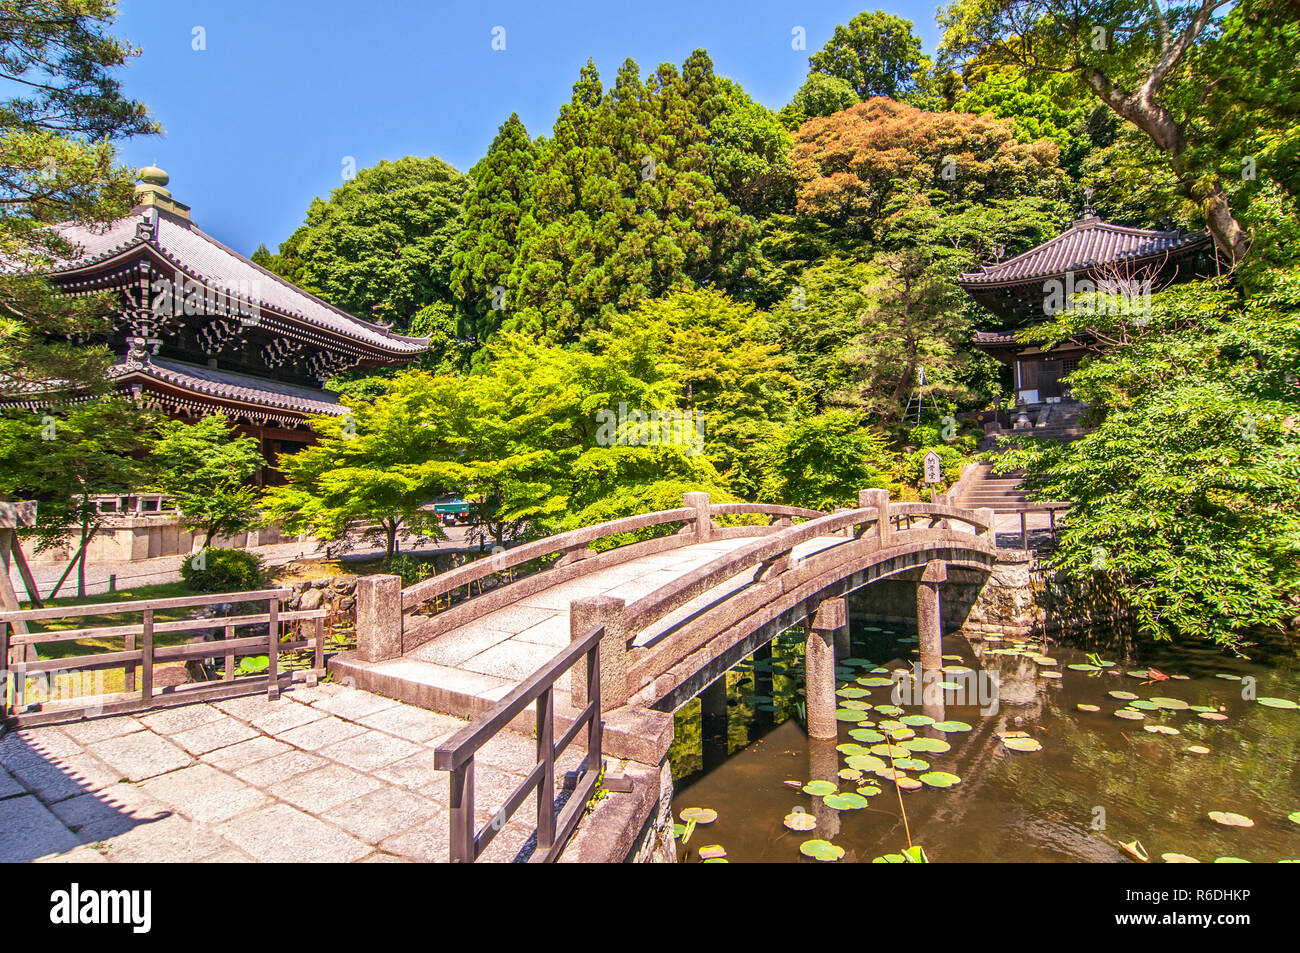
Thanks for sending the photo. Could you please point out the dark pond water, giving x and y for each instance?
(1098, 781)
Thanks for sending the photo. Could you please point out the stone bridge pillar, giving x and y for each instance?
(880, 500)
(379, 618)
(584, 615)
(699, 502)
(819, 667)
(929, 622)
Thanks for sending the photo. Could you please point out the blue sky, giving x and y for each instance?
(260, 121)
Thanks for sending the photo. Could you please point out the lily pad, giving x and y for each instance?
(1229, 819)
(1212, 716)
(1161, 730)
(888, 751)
(1022, 744)
(845, 802)
(912, 764)
(852, 691)
(864, 762)
(800, 821)
(820, 788)
(848, 714)
(952, 726)
(1135, 850)
(1139, 673)
(869, 790)
(1198, 749)
(1294, 817)
(1278, 703)
(1170, 704)
(930, 745)
(819, 849)
(906, 783)
(850, 774)
(866, 735)
(889, 710)
(901, 733)
(700, 815)
(1144, 704)
(1130, 714)
(1083, 707)
(850, 748)
(1122, 696)
(940, 779)
(1172, 858)
(1231, 860)
(1084, 667)
(875, 681)
(713, 852)
(917, 721)
(856, 705)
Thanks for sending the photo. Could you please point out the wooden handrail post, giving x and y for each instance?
(379, 618)
(4, 669)
(879, 499)
(546, 756)
(318, 655)
(699, 502)
(146, 662)
(128, 672)
(461, 803)
(273, 649)
(610, 613)
(595, 736)
(230, 656)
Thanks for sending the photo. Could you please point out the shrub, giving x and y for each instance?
(913, 468)
(222, 570)
(411, 569)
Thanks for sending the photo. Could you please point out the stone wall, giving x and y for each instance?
(338, 594)
(127, 538)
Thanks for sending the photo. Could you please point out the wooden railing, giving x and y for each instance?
(456, 755)
(1024, 509)
(16, 645)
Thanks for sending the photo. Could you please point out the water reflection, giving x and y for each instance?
(1098, 780)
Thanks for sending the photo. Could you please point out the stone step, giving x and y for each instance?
(635, 734)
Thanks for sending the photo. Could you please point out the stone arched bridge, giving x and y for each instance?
(658, 615)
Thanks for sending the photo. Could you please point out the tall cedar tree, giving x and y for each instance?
(488, 245)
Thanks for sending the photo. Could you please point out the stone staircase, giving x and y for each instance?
(1001, 493)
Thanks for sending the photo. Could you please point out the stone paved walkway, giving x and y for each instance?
(324, 773)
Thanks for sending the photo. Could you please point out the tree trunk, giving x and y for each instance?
(1141, 109)
(390, 532)
(81, 563)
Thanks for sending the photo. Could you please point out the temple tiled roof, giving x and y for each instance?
(189, 247)
(231, 387)
(1087, 244)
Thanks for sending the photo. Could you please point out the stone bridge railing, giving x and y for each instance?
(637, 672)
(392, 621)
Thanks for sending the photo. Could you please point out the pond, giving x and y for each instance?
(1217, 734)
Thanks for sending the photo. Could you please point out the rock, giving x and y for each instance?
(344, 583)
(320, 583)
(312, 599)
(347, 603)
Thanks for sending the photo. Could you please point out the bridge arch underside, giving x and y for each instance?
(797, 606)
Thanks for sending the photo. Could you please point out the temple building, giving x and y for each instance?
(1123, 266)
(202, 329)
